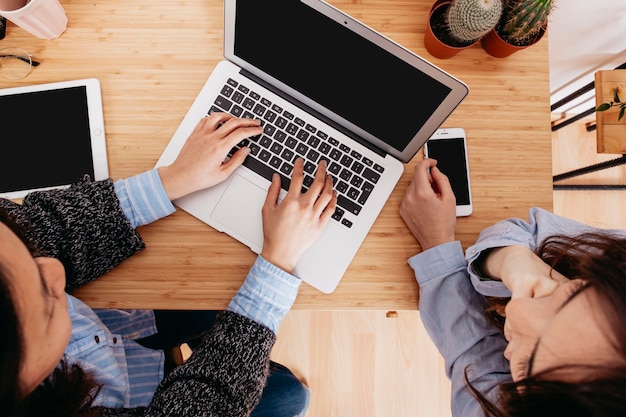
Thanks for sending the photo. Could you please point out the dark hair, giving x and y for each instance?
(600, 260)
(68, 391)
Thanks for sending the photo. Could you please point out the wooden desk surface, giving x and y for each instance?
(152, 58)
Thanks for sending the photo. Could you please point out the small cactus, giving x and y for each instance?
(522, 20)
(469, 20)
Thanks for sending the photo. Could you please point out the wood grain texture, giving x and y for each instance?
(610, 132)
(152, 59)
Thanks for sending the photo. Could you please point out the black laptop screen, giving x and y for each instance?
(337, 68)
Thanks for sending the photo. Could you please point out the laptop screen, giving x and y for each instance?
(338, 68)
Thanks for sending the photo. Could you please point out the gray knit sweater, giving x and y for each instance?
(85, 228)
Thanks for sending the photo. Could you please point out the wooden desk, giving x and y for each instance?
(152, 58)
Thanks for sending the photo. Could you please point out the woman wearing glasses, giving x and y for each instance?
(531, 320)
(59, 357)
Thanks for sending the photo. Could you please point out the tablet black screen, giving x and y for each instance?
(45, 139)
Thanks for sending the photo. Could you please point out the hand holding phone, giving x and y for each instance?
(449, 148)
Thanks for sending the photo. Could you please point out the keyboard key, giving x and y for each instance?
(270, 116)
(302, 135)
(238, 97)
(265, 141)
(357, 167)
(248, 104)
(370, 175)
(292, 129)
(269, 129)
(288, 115)
(291, 142)
(356, 181)
(341, 187)
(313, 155)
(302, 149)
(265, 171)
(334, 168)
(346, 223)
(255, 96)
(299, 122)
(288, 155)
(286, 168)
(379, 168)
(236, 111)
(348, 204)
(259, 110)
(264, 155)
(280, 136)
(227, 90)
(367, 191)
(338, 214)
(275, 162)
(232, 82)
(277, 148)
(346, 161)
(281, 122)
(335, 154)
(309, 167)
(223, 103)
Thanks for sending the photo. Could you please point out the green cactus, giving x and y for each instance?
(522, 20)
(469, 20)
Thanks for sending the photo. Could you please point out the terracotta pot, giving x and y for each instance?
(433, 45)
(494, 45)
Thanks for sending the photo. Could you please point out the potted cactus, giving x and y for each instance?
(522, 24)
(454, 25)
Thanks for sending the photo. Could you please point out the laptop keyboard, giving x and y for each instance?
(286, 137)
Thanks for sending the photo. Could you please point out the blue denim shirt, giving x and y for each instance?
(102, 340)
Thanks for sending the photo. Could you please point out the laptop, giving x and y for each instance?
(326, 86)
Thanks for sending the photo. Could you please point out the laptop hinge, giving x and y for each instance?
(314, 112)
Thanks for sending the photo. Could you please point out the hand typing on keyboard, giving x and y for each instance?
(292, 225)
(203, 161)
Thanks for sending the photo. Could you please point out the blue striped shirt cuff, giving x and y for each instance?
(266, 295)
(143, 198)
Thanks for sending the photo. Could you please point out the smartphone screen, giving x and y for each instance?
(450, 156)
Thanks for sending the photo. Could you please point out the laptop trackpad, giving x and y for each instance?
(239, 210)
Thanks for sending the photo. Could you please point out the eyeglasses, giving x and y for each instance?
(15, 63)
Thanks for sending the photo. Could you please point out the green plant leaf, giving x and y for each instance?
(621, 114)
(616, 95)
(603, 107)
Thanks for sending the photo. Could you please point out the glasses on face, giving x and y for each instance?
(15, 63)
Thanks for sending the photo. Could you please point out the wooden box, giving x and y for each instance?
(610, 133)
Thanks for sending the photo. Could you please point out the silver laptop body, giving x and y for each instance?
(325, 86)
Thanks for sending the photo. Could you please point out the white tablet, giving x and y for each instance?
(51, 135)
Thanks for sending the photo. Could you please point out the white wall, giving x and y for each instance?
(584, 36)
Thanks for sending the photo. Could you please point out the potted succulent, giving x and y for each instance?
(454, 25)
(522, 24)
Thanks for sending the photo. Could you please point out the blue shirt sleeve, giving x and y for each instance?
(453, 315)
(266, 295)
(143, 198)
(514, 231)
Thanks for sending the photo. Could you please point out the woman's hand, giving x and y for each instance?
(292, 225)
(202, 161)
(522, 272)
(429, 207)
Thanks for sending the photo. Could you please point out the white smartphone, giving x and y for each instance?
(449, 148)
